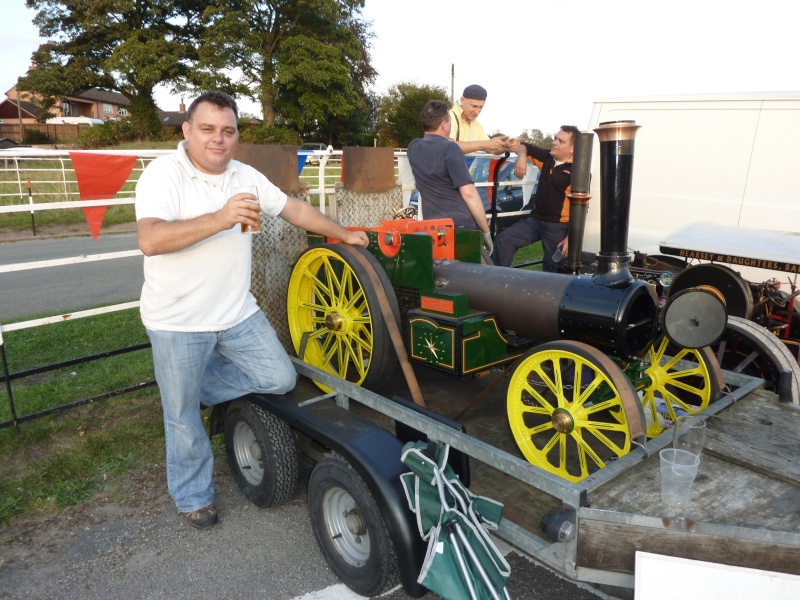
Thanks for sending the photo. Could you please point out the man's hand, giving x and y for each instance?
(356, 238)
(241, 208)
(521, 167)
(497, 145)
(486, 241)
(156, 236)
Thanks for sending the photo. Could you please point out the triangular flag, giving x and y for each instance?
(100, 177)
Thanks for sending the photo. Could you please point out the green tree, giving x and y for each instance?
(126, 45)
(358, 128)
(400, 109)
(306, 60)
(537, 138)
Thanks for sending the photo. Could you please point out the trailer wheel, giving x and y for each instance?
(332, 302)
(350, 529)
(565, 404)
(674, 389)
(747, 347)
(261, 452)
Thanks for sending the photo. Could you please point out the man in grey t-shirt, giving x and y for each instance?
(441, 175)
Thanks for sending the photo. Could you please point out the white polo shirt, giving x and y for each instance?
(205, 287)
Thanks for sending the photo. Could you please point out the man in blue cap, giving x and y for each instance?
(465, 129)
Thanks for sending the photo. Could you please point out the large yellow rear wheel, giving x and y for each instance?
(566, 407)
(335, 319)
(681, 381)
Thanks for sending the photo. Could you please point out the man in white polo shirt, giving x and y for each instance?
(211, 342)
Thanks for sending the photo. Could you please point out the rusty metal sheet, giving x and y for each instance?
(368, 170)
(277, 163)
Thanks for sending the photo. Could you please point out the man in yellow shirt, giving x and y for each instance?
(465, 129)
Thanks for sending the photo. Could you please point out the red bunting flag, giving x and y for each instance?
(100, 177)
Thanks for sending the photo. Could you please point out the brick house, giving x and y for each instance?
(95, 103)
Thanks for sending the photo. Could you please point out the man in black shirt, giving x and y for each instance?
(550, 213)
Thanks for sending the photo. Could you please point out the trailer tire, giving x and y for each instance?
(350, 529)
(262, 453)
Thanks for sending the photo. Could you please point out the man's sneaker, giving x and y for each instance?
(203, 518)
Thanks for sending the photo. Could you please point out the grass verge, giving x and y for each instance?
(64, 458)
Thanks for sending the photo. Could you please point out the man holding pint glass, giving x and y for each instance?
(211, 342)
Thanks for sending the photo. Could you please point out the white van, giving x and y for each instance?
(74, 121)
(730, 159)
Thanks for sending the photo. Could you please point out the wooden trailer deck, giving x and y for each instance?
(745, 506)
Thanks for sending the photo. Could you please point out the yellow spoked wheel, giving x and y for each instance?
(335, 319)
(681, 381)
(566, 407)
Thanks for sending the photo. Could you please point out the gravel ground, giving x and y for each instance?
(140, 547)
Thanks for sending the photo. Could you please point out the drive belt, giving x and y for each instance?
(391, 323)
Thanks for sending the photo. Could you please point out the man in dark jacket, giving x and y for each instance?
(550, 213)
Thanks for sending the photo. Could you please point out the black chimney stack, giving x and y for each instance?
(616, 174)
(579, 198)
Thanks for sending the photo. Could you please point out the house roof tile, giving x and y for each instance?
(101, 95)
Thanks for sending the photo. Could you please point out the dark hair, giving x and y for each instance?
(571, 129)
(433, 114)
(218, 99)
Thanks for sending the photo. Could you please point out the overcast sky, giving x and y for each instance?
(545, 63)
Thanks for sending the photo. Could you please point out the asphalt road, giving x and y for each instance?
(55, 290)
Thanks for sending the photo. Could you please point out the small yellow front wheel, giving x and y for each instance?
(566, 407)
(682, 381)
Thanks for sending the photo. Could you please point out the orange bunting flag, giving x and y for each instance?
(100, 177)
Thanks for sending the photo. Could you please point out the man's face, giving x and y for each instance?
(562, 146)
(472, 108)
(211, 138)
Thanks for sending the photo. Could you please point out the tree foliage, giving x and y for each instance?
(400, 111)
(537, 138)
(126, 45)
(305, 60)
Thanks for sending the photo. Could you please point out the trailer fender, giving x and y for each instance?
(375, 455)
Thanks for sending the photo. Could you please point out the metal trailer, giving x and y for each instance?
(588, 351)
(745, 509)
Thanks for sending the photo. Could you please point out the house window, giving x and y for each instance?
(123, 112)
(107, 109)
(66, 109)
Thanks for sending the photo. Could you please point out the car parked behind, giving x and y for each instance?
(310, 151)
(510, 198)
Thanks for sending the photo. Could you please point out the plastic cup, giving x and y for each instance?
(249, 189)
(689, 433)
(678, 470)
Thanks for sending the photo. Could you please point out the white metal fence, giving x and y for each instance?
(40, 180)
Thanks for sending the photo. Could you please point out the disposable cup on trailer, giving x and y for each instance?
(678, 470)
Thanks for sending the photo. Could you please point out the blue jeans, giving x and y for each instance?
(209, 368)
(529, 231)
